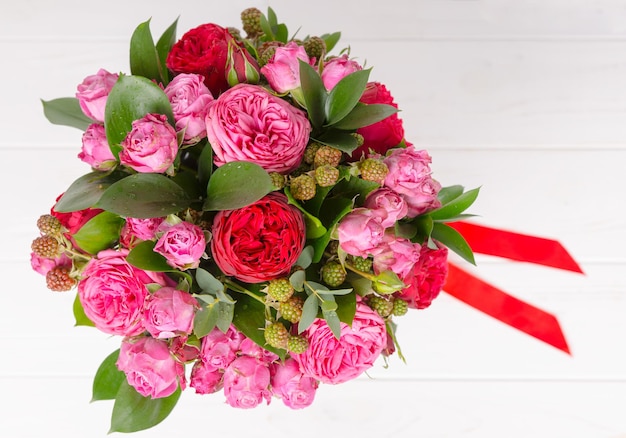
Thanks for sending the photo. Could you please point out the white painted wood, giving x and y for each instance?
(526, 99)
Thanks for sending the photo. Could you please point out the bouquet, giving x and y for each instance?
(253, 222)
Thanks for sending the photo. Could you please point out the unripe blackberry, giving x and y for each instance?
(234, 32)
(45, 246)
(276, 335)
(373, 170)
(58, 279)
(278, 180)
(309, 152)
(266, 51)
(327, 155)
(49, 225)
(302, 187)
(380, 305)
(333, 274)
(400, 307)
(362, 264)
(297, 344)
(326, 176)
(280, 289)
(315, 47)
(332, 247)
(291, 310)
(359, 139)
(251, 21)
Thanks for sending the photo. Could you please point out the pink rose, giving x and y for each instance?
(338, 68)
(396, 254)
(95, 150)
(250, 348)
(388, 201)
(190, 100)
(246, 382)
(182, 350)
(332, 360)
(247, 123)
(149, 367)
(150, 146)
(135, 229)
(385, 134)
(427, 278)
(182, 244)
(283, 69)
(361, 231)
(43, 265)
(112, 292)
(291, 386)
(93, 92)
(169, 312)
(206, 379)
(219, 349)
(410, 176)
(259, 242)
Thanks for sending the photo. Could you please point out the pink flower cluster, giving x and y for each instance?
(248, 374)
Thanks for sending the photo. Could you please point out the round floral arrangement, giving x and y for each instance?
(253, 222)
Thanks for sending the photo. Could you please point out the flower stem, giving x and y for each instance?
(237, 288)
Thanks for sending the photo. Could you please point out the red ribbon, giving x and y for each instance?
(497, 303)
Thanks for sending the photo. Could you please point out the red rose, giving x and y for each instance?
(259, 242)
(204, 51)
(427, 279)
(384, 135)
(75, 220)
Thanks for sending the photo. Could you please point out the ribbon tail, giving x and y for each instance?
(516, 246)
(505, 308)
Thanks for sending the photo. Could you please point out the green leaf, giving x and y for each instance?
(306, 257)
(339, 208)
(131, 98)
(344, 141)
(86, 191)
(331, 40)
(79, 314)
(314, 93)
(66, 111)
(346, 307)
(205, 166)
(309, 312)
(365, 115)
(132, 412)
(142, 256)
(205, 319)
(144, 195)
(332, 319)
(345, 95)
(267, 29)
(144, 59)
(447, 194)
(99, 233)
(451, 238)
(355, 187)
(314, 227)
(334, 292)
(207, 282)
(455, 207)
(225, 313)
(163, 47)
(297, 280)
(423, 228)
(329, 305)
(108, 379)
(249, 318)
(237, 184)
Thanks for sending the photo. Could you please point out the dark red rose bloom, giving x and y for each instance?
(427, 279)
(259, 242)
(75, 220)
(202, 50)
(384, 135)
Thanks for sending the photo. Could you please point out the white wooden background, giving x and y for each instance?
(526, 98)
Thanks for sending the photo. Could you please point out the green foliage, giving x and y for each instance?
(86, 191)
(144, 59)
(79, 314)
(142, 256)
(144, 195)
(66, 111)
(132, 412)
(108, 379)
(249, 318)
(237, 184)
(451, 238)
(99, 233)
